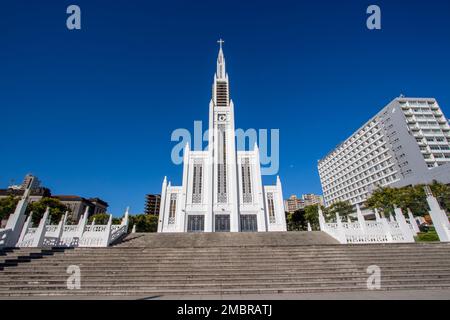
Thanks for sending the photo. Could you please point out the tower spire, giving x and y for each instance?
(220, 61)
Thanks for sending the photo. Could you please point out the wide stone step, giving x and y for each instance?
(223, 286)
(139, 259)
(214, 274)
(236, 280)
(341, 248)
(227, 270)
(147, 255)
(217, 264)
(225, 263)
(153, 293)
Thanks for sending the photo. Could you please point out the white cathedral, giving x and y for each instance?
(222, 189)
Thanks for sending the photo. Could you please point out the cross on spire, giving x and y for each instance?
(220, 42)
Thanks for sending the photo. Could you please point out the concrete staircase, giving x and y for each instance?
(148, 265)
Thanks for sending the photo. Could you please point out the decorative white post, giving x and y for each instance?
(125, 219)
(17, 219)
(387, 230)
(82, 224)
(439, 217)
(321, 218)
(108, 232)
(134, 229)
(162, 205)
(404, 227)
(309, 227)
(349, 220)
(391, 218)
(25, 229)
(39, 235)
(361, 220)
(340, 229)
(60, 229)
(377, 215)
(281, 217)
(413, 222)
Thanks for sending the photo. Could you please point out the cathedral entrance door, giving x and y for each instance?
(196, 223)
(249, 223)
(222, 223)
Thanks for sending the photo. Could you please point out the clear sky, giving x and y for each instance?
(91, 112)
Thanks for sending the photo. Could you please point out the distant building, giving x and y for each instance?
(152, 203)
(77, 205)
(36, 194)
(312, 199)
(294, 203)
(406, 143)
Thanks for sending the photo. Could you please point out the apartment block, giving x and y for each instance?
(406, 143)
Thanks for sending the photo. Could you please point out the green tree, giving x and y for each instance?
(144, 222)
(57, 210)
(7, 206)
(103, 218)
(100, 218)
(412, 197)
(296, 221)
(312, 216)
(382, 199)
(344, 208)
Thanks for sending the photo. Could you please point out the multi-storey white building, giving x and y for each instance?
(222, 188)
(406, 143)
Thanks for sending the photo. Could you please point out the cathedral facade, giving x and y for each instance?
(222, 188)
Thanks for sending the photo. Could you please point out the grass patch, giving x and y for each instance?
(431, 235)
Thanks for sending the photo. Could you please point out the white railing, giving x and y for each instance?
(80, 235)
(116, 234)
(361, 231)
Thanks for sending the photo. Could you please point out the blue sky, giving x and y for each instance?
(90, 112)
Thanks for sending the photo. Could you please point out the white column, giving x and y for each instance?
(321, 218)
(404, 227)
(439, 217)
(309, 227)
(180, 214)
(25, 228)
(233, 199)
(126, 219)
(82, 224)
(258, 190)
(107, 234)
(361, 220)
(281, 217)
(377, 215)
(60, 229)
(162, 205)
(39, 235)
(340, 229)
(387, 230)
(413, 222)
(17, 219)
